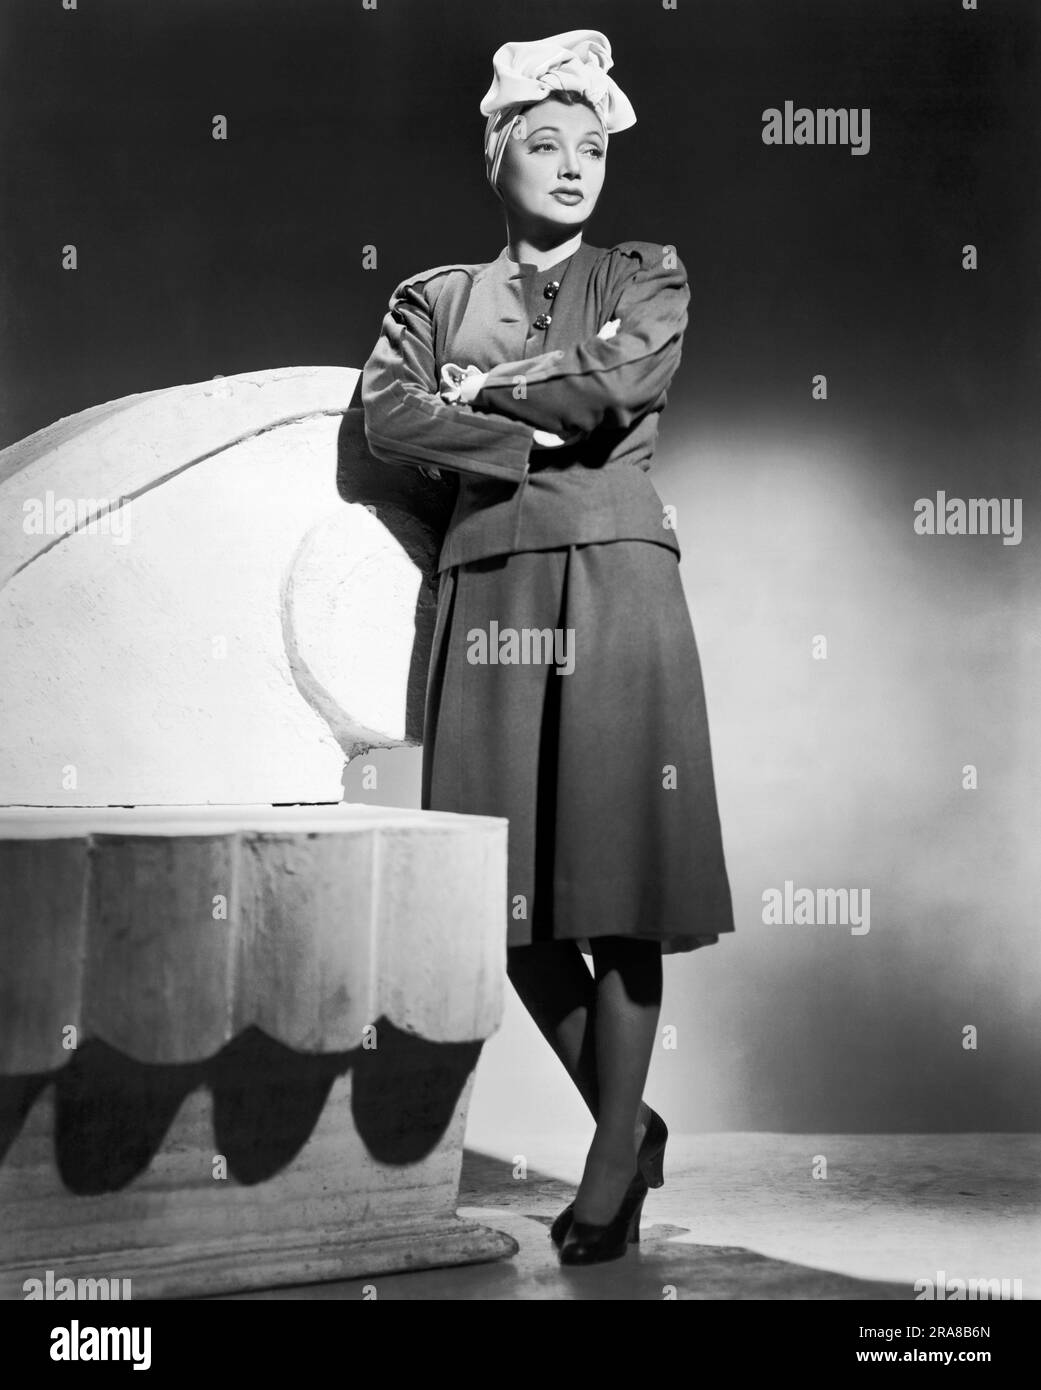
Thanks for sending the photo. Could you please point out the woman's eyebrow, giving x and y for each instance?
(557, 130)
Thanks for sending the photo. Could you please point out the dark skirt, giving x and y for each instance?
(604, 773)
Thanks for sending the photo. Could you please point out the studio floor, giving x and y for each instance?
(742, 1216)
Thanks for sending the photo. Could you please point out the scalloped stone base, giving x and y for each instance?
(237, 1044)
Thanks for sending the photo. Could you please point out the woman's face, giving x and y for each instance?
(564, 147)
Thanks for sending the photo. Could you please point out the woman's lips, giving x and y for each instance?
(569, 197)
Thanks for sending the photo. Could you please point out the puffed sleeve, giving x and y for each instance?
(406, 421)
(604, 381)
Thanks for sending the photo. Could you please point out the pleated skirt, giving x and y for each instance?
(565, 693)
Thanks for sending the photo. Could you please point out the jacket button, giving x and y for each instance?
(550, 290)
(543, 320)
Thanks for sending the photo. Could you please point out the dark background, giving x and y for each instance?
(351, 127)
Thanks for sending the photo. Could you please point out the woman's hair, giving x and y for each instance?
(570, 98)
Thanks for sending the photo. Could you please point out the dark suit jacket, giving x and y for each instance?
(535, 332)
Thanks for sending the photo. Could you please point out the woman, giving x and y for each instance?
(564, 690)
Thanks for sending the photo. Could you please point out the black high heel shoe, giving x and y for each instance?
(587, 1244)
(650, 1158)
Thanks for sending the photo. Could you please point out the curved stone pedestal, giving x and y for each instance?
(236, 1042)
(192, 613)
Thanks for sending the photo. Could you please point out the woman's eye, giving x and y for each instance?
(549, 145)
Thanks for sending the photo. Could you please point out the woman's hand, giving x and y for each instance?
(459, 387)
(471, 384)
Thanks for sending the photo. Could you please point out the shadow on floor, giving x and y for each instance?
(665, 1264)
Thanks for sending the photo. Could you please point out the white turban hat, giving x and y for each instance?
(526, 73)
